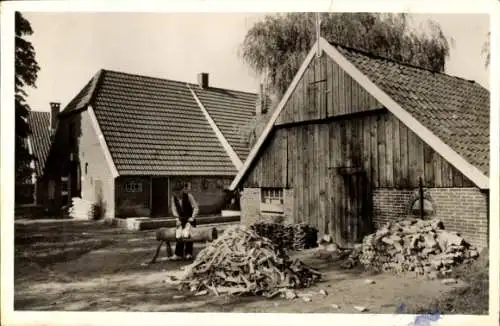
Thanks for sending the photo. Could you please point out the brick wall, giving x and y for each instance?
(463, 210)
(390, 204)
(250, 207)
(133, 204)
(208, 192)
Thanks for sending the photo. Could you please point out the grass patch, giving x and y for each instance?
(39, 245)
(60, 253)
(473, 299)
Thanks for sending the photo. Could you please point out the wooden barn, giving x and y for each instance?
(353, 138)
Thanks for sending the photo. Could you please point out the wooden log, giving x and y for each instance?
(197, 234)
(167, 235)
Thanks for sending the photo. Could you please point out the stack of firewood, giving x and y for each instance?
(81, 209)
(414, 245)
(288, 237)
(305, 237)
(242, 262)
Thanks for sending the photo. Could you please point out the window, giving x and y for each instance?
(428, 208)
(414, 205)
(64, 186)
(227, 183)
(133, 186)
(64, 190)
(223, 183)
(271, 200)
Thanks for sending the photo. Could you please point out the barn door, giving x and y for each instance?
(349, 217)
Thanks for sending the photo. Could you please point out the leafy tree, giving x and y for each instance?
(26, 72)
(276, 46)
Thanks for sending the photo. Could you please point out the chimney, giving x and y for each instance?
(54, 112)
(203, 80)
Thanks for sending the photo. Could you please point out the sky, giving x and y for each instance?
(72, 47)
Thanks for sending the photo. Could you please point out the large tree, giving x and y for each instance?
(276, 46)
(26, 72)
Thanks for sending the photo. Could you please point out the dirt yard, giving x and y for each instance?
(89, 266)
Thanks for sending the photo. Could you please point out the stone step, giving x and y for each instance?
(147, 223)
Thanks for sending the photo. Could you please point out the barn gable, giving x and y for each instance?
(437, 108)
(325, 91)
(354, 141)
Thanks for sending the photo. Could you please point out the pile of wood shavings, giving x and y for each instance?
(242, 262)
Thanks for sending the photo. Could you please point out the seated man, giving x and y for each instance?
(185, 209)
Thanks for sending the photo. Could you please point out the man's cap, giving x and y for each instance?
(178, 186)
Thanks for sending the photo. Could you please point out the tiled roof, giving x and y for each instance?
(154, 126)
(230, 110)
(83, 98)
(454, 109)
(39, 123)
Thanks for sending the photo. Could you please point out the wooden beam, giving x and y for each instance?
(330, 119)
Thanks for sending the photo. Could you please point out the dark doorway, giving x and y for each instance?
(159, 197)
(74, 179)
(351, 211)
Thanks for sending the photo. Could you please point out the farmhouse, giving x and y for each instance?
(124, 140)
(38, 142)
(355, 136)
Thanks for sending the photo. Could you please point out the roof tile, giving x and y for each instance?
(154, 126)
(39, 123)
(454, 109)
(230, 110)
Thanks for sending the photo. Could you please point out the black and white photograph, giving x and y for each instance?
(252, 162)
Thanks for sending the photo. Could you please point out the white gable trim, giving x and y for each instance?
(274, 117)
(469, 170)
(102, 142)
(227, 147)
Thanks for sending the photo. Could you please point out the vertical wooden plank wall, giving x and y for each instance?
(305, 157)
(325, 90)
(317, 132)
